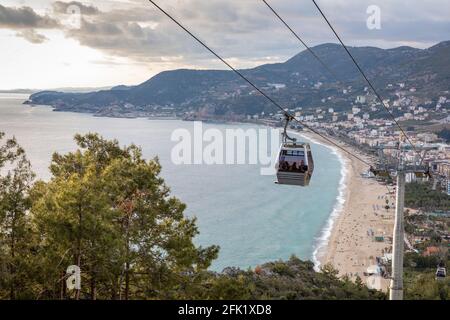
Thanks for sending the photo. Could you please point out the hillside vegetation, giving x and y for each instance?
(108, 211)
(421, 196)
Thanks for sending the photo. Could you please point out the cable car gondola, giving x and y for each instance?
(441, 272)
(295, 163)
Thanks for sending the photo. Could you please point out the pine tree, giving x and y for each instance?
(15, 228)
(108, 211)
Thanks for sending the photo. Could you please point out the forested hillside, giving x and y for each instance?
(108, 211)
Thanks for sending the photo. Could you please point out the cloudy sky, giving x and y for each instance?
(50, 44)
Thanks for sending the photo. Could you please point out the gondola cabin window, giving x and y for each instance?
(293, 160)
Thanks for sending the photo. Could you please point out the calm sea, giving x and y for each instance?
(252, 219)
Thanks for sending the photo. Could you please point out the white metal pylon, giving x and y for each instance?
(401, 168)
(396, 286)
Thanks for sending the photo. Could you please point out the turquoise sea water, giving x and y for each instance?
(252, 219)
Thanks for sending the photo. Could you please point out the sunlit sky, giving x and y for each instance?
(53, 44)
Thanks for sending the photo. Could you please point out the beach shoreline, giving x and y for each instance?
(347, 241)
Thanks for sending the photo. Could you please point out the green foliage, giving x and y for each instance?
(418, 261)
(420, 195)
(15, 240)
(423, 286)
(285, 280)
(419, 277)
(107, 210)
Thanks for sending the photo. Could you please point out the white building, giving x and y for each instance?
(408, 116)
(361, 99)
(356, 110)
(277, 86)
(318, 85)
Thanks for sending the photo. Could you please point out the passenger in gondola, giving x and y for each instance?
(302, 167)
(294, 167)
(284, 165)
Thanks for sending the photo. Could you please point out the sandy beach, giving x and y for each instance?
(363, 229)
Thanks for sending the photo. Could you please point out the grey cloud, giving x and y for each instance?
(144, 34)
(133, 14)
(32, 36)
(24, 17)
(246, 30)
(242, 30)
(62, 7)
(128, 39)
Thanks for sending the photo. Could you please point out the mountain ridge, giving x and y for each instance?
(221, 91)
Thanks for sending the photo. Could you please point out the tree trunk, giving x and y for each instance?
(93, 288)
(62, 286)
(127, 281)
(80, 216)
(12, 293)
(127, 263)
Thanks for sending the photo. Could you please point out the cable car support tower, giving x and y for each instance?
(399, 168)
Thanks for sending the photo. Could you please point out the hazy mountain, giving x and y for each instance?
(65, 89)
(291, 83)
